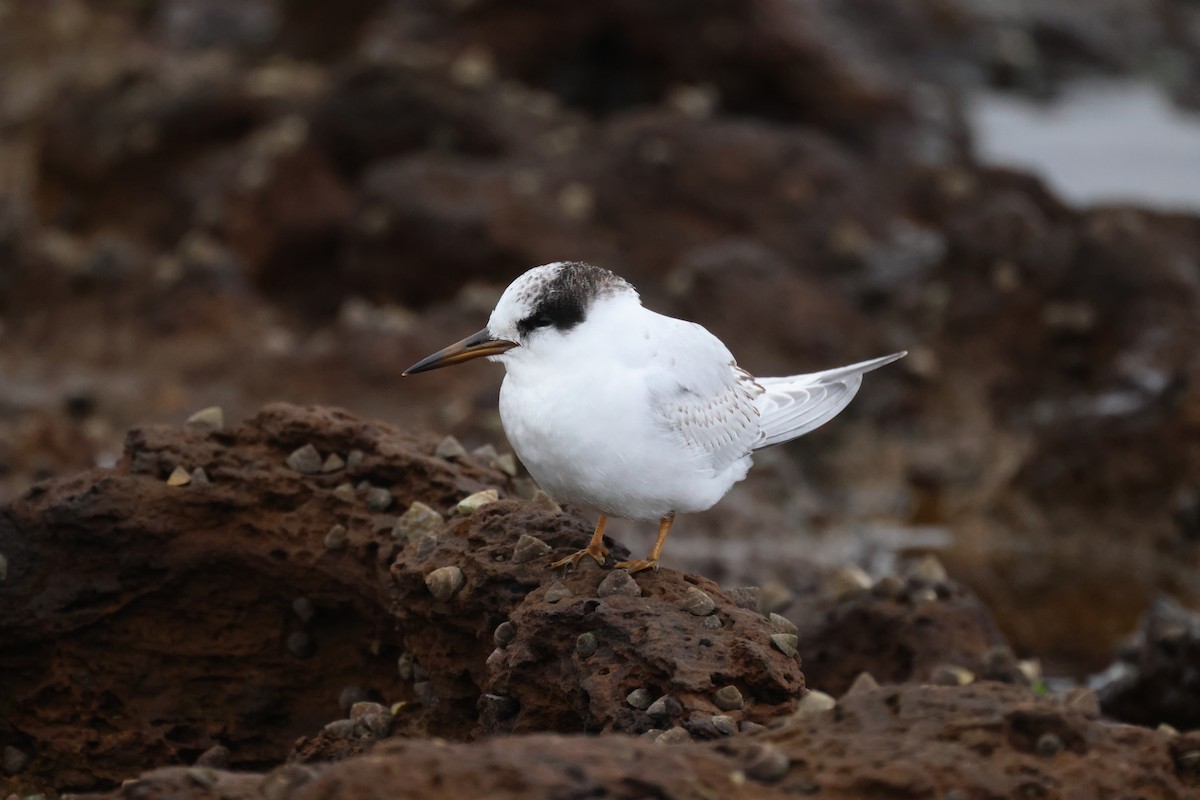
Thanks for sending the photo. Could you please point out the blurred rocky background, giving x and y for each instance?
(230, 202)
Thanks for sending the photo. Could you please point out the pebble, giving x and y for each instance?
(364, 707)
(1166, 730)
(697, 602)
(372, 718)
(305, 459)
(3, 567)
(782, 623)
(333, 462)
(200, 477)
(865, 682)
(726, 725)
(586, 644)
(354, 459)
(1031, 668)
(13, 761)
(951, 675)
(341, 728)
(929, 569)
(676, 735)
(665, 706)
(349, 696)
(847, 581)
(766, 763)
(652, 734)
(179, 477)
(1048, 744)
(450, 448)
(485, 453)
(344, 492)
(472, 503)
(774, 596)
(505, 632)
(751, 727)
(728, 698)
(424, 692)
(417, 521)
(404, 666)
(545, 502)
(640, 699)
(506, 463)
(445, 582)
(499, 707)
(618, 582)
(300, 644)
(745, 597)
(379, 499)
(712, 623)
(304, 608)
(363, 486)
(216, 757)
(555, 592)
(336, 538)
(785, 643)
(813, 702)
(529, 548)
(206, 419)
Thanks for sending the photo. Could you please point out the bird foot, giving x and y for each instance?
(599, 553)
(637, 566)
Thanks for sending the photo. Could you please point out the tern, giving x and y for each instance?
(624, 412)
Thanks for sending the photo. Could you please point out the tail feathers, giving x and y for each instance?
(794, 405)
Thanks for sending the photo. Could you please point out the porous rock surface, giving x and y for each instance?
(175, 627)
(990, 740)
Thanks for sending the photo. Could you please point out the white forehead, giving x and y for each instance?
(561, 283)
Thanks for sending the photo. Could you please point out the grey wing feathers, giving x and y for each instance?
(793, 406)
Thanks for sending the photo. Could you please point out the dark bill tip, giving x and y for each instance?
(477, 345)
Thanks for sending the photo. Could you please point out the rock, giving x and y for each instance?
(206, 419)
(476, 501)
(333, 463)
(349, 696)
(745, 597)
(505, 632)
(929, 569)
(304, 609)
(697, 602)
(586, 644)
(620, 583)
(766, 763)
(640, 699)
(445, 582)
(13, 761)
(665, 706)
(450, 447)
(335, 539)
(847, 581)
(865, 682)
(1048, 744)
(485, 453)
(215, 757)
(555, 592)
(676, 735)
(782, 624)
(726, 726)
(506, 463)
(785, 643)
(529, 548)
(712, 623)
(179, 477)
(951, 675)
(199, 477)
(305, 460)
(354, 459)
(774, 597)
(341, 728)
(814, 702)
(344, 492)
(543, 501)
(728, 698)
(418, 521)
(379, 499)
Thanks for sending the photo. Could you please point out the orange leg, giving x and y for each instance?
(664, 528)
(595, 549)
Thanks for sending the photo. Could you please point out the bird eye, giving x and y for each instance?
(533, 322)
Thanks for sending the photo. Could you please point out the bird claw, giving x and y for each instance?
(637, 566)
(572, 561)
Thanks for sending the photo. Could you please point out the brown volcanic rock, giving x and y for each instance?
(225, 612)
(987, 740)
(898, 631)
